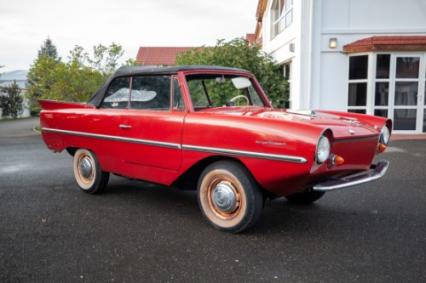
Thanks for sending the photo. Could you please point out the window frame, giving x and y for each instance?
(355, 81)
(392, 80)
(175, 78)
(283, 13)
(255, 85)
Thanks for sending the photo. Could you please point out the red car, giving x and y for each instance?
(212, 129)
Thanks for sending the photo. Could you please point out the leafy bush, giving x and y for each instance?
(11, 100)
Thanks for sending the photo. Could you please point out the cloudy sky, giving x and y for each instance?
(24, 24)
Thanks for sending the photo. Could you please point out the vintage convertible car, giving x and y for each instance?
(212, 129)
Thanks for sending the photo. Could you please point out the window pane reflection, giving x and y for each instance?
(424, 121)
(357, 94)
(358, 66)
(359, 111)
(381, 112)
(407, 67)
(382, 93)
(383, 63)
(405, 119)
(406, 93)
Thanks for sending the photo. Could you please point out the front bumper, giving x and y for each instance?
(375, 172)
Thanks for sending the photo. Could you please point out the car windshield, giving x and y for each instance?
(209, 91)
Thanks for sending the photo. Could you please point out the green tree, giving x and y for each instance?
(103, 58)
(41, 77)
(48, 49)
(75, 80)
(11, 100)
(237, 53)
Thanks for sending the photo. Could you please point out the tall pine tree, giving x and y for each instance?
(48, 49)
(38, 80)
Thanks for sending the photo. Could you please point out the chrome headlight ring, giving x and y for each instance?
(384, 135)
(323, 149)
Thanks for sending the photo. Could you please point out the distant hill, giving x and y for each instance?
(20, 76)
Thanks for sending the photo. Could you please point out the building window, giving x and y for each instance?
(358, 81)
(406, 93)
(281, 16)
(424, 105)
(382, 83)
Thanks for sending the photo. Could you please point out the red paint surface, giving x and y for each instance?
(255, 129)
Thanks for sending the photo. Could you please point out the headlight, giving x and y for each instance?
(323, 149)
(384, 135)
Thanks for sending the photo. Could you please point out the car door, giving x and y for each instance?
(104, 125)
(154, 126)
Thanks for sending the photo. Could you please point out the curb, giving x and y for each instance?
(399, 137)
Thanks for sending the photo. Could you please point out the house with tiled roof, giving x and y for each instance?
(360, 56)
(164, 56)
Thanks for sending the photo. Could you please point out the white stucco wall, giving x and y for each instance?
(320, 74)
(351, 20)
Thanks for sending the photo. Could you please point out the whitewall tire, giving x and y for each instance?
(87, 172)
(229, 197)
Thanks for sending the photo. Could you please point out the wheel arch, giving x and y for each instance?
(188, 180)
(71, 150)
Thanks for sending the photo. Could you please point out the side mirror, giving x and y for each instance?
(241, 82)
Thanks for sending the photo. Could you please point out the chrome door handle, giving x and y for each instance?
(124, 126)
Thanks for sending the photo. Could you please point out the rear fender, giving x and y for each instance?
(47, 104)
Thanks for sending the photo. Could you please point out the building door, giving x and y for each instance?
(399, 90)
(407, 94)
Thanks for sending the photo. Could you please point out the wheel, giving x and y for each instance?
(228, 196)
(87, 172)
(305, 197)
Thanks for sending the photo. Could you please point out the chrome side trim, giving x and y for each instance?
(114, 138)
(270, 156)
(376, 172)
(252, 154)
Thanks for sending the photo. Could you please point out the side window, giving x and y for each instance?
(150, 92)
(198, 94)
(178, 103)
(117, 95)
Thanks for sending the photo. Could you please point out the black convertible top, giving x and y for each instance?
(143, 70)
(96, 99)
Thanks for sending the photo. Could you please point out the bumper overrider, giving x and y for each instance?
(375, 172)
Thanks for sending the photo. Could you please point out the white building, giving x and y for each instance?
(366, 56)
(20, 76)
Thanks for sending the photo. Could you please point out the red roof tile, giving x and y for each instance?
(159, 55)
(251, 38)
(387, 43)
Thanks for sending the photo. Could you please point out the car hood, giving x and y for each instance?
(341, 126)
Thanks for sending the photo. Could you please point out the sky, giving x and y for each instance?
(24, 25)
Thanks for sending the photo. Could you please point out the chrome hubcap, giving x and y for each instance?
(86, 167)
(224, 197)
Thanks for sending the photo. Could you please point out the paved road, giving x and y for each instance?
(52, 232)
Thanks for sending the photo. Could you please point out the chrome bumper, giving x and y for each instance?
(376, 172)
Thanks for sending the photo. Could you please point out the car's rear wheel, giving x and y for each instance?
(304, 198)
(87, 172)
(229, 197)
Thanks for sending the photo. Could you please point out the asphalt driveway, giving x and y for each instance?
(134, 232)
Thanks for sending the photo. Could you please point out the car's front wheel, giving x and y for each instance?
(87, 172)
(305, 198)
(229, 197)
